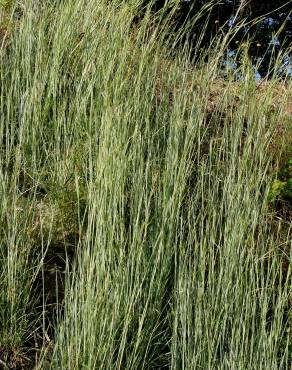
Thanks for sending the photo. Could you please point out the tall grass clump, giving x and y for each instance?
(134, 183)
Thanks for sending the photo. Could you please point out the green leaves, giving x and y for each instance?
(281, 188)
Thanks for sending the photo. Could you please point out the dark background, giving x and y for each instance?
(264, 44)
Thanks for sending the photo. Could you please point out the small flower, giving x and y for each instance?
(258, 44)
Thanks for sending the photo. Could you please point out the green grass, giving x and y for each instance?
(134, 216)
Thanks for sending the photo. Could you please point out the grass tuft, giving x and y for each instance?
(135, 181)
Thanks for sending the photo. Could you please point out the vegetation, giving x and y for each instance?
(136, 222)
(282, 188)
(266, 24)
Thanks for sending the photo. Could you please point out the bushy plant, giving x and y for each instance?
(281, 187)
(114, 145)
